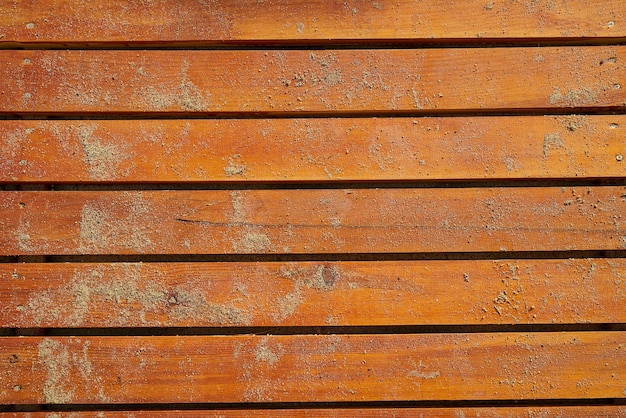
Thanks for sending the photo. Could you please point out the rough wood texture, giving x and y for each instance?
(313, 149)
(313, 221)
(313, 368)
(508, 412)
(307, 102)
(312, 81)
(313, 294)
(211, 22)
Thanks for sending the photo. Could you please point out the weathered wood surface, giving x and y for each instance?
(312, 368)
(420, 81)
(509, 412)
(313, 221)
(313, 293)
(435, 112)
(214, 22)
(313, 149)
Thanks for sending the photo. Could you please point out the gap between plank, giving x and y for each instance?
(430, 113)
(329, 44)
(313, 405)
(312, 330)
(253, 258)
(339, 184)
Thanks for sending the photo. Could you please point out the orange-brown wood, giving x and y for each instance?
(313, 149)
(312, 368)
(313, 221)
(313, 294)
(485, 412)
(429, 108)
(428, 80)
(211, 22)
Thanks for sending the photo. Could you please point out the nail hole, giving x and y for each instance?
(614, 126)
(611, 60)
(610, 24)
(17, 388)
(27, 95)
(619, 157)
(13, 358)
(30, 25)
(617, 86)
(22, 205)
(26, 61)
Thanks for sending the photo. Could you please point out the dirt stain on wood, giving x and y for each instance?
(551, 142)
(253, 241)
(186, 95)
(572, 97)
(102, 159)
(320, 277)
(100, 229)
(121, 295)
(55, 357)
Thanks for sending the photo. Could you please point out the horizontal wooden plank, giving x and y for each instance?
(313, 149)
(485, 412)
(403, 80)
(313, 368)
(319, 20)
(312, 294)
(313, 221)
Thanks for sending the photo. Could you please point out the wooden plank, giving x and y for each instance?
(420, 81)
(313, 149)
(313, 368)
(203, 22)
(467, 412)
(312, 294)
(313, 221)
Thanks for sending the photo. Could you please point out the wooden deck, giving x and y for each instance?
(317, 208)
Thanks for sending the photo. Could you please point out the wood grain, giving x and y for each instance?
(218, 82)
(312, 293)
(485, 412)
(396, 149)
(223, 22)
(313, 221)
(312, 368)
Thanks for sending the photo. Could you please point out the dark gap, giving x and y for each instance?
(553, 182)
(521, 403)
(320, 185)
(556, 111)
(327, 44)
(31, 259)
(238, 258)
(35, 187)
(313, 330)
